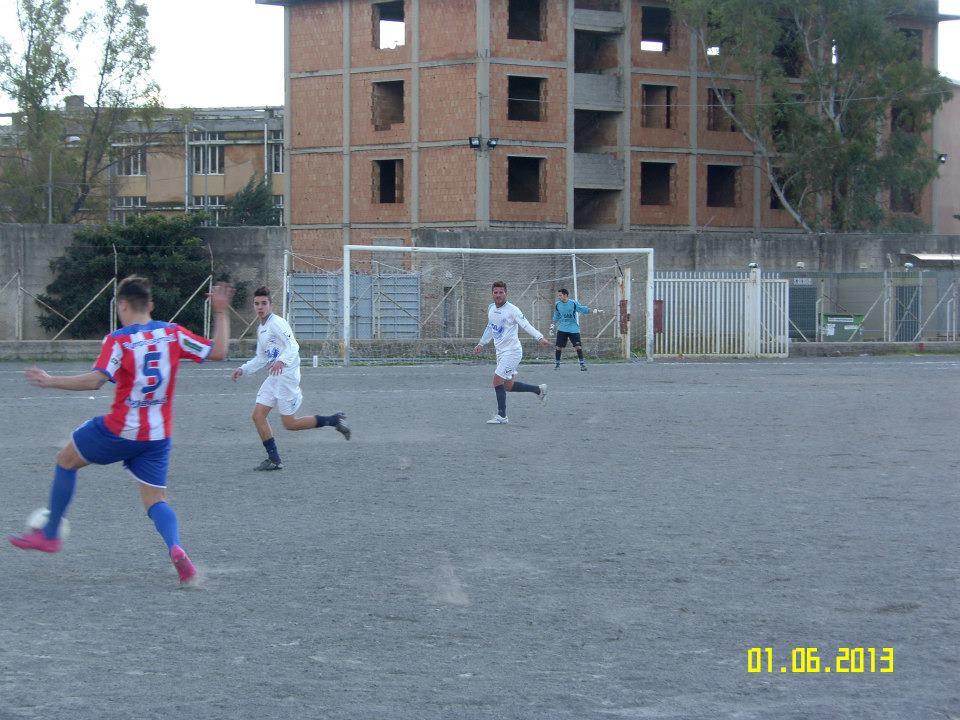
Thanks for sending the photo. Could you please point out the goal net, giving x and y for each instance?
(427, 304)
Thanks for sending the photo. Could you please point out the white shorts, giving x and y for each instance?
(508, 364)
(281, 391)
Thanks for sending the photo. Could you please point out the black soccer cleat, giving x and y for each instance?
(269, 464)
(341, 427)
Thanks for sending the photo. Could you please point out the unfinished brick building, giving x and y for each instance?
(511, 114)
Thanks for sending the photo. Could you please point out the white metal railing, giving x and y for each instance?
(722, 314)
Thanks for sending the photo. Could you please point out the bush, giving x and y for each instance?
(164, 250)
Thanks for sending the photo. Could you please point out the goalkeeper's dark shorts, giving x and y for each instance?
(563, 336)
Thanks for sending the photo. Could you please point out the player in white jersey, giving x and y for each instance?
(503, 320)
(278, 348)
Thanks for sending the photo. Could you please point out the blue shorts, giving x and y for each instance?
(147, 460)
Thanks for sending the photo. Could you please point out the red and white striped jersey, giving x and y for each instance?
(142, 360)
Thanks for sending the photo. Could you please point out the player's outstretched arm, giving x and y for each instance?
(220, 298)
(86, 381)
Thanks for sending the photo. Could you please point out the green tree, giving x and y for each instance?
(68, 151)
(838, 103)
(253, 205)
(165, 250)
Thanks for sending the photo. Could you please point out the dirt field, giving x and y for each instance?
(612, 554)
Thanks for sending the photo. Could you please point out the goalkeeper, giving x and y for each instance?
(567, 326)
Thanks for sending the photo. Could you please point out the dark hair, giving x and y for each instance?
(262, 291)
(136, 291)
(563, 291)
(499, 283)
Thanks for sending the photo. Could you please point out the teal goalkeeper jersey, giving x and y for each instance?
(565, 315)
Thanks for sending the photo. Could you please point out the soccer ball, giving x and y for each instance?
(38, 520)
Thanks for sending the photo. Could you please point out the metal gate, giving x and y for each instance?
(723, 314)
(381, 306)
(908, 312)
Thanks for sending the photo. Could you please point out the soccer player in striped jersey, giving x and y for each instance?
(141, 359)
(503, 319)
(278, 348)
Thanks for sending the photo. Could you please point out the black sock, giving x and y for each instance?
(501, 400)
(525, 387)
(556, 354)
(580, 355)
(326, 420)
(272, 453)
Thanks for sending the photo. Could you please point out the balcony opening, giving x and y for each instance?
(525, 98)
(788, 50)
(387, 104)
(913, 39)
(903, 119)
(595, 131)
(388, 181)
(718, 119)
(658, 101)
(722, 185)
(525, 20)
(655, 183)
(655, 29)
(595, 53)
(524, 179)
(903, 200)
(775, 203)
(389, 26)
(596, 209)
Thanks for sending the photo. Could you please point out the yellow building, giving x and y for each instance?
(196, 160)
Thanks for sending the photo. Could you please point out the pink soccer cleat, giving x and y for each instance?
(185, 568)
(35, 540)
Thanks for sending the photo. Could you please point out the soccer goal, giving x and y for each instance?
(427, 304)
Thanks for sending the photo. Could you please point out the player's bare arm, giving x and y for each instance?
(220, 297)
(85, 381)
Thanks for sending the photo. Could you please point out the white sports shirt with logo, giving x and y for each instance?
(502, 324)
(275, 341)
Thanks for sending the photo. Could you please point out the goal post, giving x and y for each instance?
(402, 303)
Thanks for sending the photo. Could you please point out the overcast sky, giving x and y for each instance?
(212, 53)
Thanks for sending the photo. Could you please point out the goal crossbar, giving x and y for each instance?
(569, 252)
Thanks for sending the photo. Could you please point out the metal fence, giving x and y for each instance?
(737, 314)
(893, 306)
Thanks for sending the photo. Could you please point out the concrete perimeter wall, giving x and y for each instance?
(716, 249)
(251, 255)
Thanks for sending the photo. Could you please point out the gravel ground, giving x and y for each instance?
(612, 554)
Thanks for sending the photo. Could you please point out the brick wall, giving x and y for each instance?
(678, 135)
(316, 112)
(554, 175)
(316, 188)
(363, 53)
(676, 213)
(448, 182)
(677, 57)
(448, 108)
(316, 36)
(447, 29)
(723, 139)
(552, 47)
(362, 130)
(739, 216)
(553, 126)
(362, 206)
